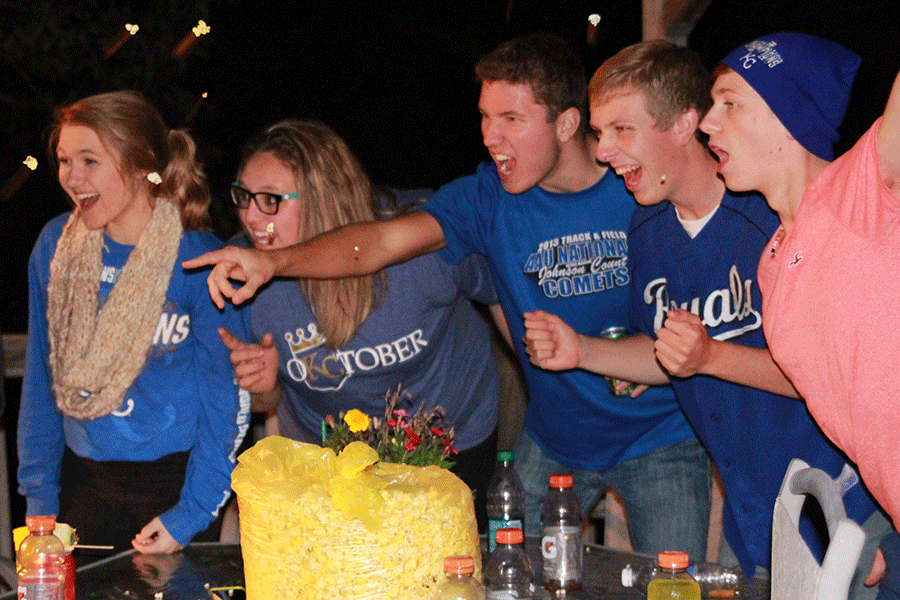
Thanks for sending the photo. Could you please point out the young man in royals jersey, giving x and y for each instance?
(694, 249)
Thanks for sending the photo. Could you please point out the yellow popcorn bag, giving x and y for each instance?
(320, 526)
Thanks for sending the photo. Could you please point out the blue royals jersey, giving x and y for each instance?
(566, 254)
(752, 435)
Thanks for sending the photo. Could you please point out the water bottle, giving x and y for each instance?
(507, 575)
(673, 582)
(505, 499)
(561, 545)
(40, 557)
(711, 578)
(459, 584)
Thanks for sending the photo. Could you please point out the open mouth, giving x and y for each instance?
(721, 156)
(86, 201)
(631, 174)
(263, 239)
(505, 164)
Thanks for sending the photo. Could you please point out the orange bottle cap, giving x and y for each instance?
(561, 481)
(673, 559)
(459, 564)
(41, 523)
(512, 535)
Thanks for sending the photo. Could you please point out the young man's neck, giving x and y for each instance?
(786, 193)
(699, 189)
(577, 168)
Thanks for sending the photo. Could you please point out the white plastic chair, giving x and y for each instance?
(796, 574)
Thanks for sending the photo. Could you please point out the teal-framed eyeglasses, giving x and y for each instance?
(266, 202)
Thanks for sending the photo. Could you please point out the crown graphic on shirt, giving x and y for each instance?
(304, 342)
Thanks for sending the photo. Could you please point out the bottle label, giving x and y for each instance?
(562, 548)
(507, 595)
(495, 524)
(45, 590)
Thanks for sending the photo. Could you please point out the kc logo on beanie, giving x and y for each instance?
(805, 80)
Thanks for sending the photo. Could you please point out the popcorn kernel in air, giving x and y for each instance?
(30, 162)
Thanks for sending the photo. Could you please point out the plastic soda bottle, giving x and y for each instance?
(41, 574)
(713, 579)
(507, 575)
(673, 582)
(459, 584)
(505, 499)
(561, 545)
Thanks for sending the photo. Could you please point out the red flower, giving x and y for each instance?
(437, 432)
(413, 437)
(391, 423)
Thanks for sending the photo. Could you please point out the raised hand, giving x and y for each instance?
(683, 344)
(550, 342)
(255, 365)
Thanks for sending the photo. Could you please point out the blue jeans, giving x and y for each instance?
(876, 527)
(889, 589)
(666, 493)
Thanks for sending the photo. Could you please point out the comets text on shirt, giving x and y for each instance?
(582, 263)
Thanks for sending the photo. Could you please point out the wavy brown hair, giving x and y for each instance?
(135, 131)
(334, 191)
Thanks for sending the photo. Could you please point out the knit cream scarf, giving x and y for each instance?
(95, 356)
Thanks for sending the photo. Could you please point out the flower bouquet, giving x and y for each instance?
(421, 439)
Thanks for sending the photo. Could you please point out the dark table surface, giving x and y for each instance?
(216, 571)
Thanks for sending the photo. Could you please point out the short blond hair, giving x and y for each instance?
(671, 78)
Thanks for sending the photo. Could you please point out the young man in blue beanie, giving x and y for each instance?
(694, 250)
(829, 274)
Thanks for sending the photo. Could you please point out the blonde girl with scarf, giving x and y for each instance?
(130, 416)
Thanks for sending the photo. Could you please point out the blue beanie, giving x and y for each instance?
(805, 80)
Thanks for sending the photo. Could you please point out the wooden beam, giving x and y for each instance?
(671, 19)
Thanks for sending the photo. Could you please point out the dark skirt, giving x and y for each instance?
(109, 502)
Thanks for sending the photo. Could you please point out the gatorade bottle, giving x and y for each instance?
(673, 582)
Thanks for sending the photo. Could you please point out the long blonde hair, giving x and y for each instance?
(129, 125)
(334, 191)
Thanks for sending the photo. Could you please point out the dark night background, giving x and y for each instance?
(393, 77)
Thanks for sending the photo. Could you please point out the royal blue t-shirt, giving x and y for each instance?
(567, 254)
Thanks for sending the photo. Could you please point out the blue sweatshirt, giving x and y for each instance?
(185, 399)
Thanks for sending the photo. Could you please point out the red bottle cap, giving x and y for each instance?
(512, 535)
(561, 481)
(673, 559)
(459, 564)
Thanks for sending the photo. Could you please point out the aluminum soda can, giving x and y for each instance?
(614, 333)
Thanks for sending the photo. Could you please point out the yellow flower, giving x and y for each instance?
(357, 420)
